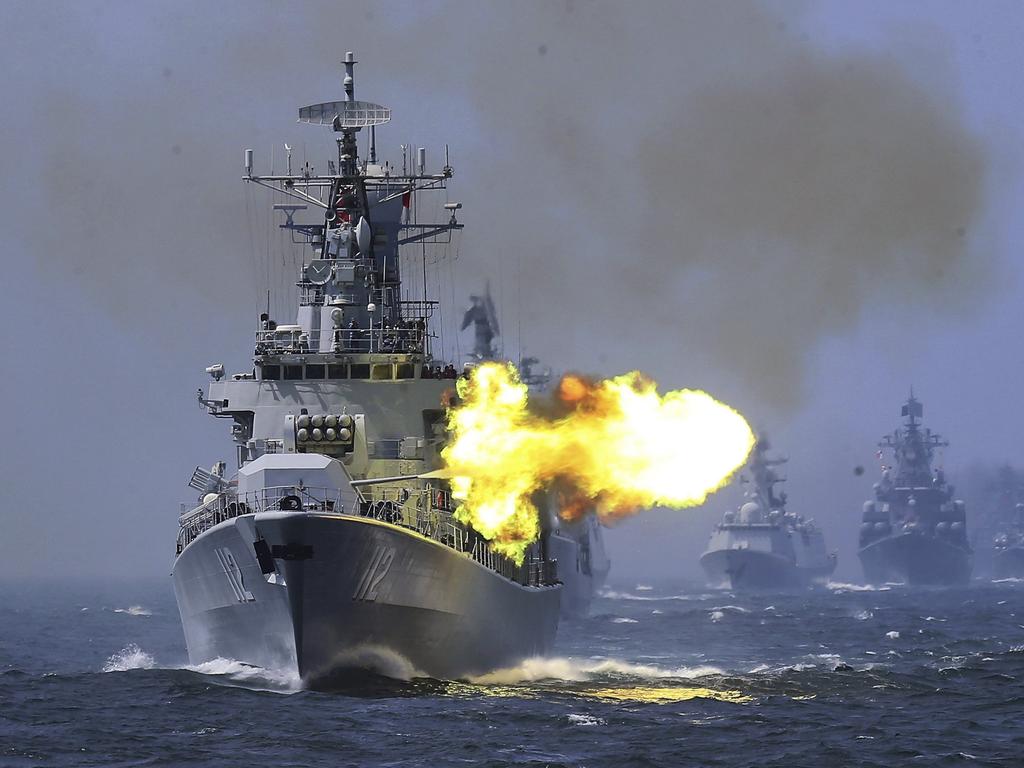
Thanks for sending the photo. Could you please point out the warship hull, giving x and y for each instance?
(1009, 563)
(353, 593)
(915, 559)
(752, 571)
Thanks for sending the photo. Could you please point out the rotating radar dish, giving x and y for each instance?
(345, 114)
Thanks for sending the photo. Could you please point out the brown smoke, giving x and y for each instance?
(690, 180)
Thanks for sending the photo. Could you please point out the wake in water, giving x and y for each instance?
(566, 669)
(133, 610)
(225, 671)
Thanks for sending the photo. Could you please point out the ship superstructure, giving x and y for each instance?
(576, 546)
(914, 531)
(762, 545)
(335, 545)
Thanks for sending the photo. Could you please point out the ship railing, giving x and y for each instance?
(428, 511)
(405, 336)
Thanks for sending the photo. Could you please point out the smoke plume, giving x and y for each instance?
(684, 180)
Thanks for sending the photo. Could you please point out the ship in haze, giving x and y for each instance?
(1008, 546)
(914, 531)
(334, 546)
(576, 546)
(763, 546)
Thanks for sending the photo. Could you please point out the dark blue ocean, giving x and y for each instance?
(662, 676)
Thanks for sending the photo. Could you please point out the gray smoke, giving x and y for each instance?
(686, 180)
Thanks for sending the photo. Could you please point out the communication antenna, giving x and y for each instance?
(288, 155)
(346, 117)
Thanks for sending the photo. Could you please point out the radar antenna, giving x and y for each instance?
(346, 117)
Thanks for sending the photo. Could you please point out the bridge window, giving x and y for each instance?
(381, 371)
(360, 370)
(293, 372)
(337, 371)
(405, 371)
(314, 371)
(271, 372)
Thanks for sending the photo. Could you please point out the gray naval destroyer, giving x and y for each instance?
(577, 546)
(763, 546)
(334, 545)
(914, 531)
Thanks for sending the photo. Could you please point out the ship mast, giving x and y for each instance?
(355, 270)
(913, 448)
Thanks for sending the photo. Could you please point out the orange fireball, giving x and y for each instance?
(621, 447)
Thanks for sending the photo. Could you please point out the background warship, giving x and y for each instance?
(1008, 546)
(762, 546)
(914, 531)
(578, 546)
(334, 546)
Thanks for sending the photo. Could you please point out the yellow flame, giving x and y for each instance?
(616, 444)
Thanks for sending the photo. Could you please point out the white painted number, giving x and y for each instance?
(234, 574)
(374, 574)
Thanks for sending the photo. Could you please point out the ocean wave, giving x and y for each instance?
(247, 675)
(842, 586)
(129, 657)
(717, 616)
(731, 608)
(132, 657)
(581, 671)
(585, 720)
(612, 594)
(643, 588)
(134, 610)
(623, 620)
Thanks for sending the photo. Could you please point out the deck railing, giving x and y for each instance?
(428, 511)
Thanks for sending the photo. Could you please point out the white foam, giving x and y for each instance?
(643, 588)
(893, 635)
(134, 610)
(656, 612)
(863, 615)
(247, 674)
(623, 620)
(732, 608)
(717, 616)
(129, 657)
(842, 586)
(584, 720)
(383, 661)
(577, 670)
(611, 594)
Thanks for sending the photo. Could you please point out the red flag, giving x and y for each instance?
(406, 198)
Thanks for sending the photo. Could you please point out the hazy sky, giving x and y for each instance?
(805, 208)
